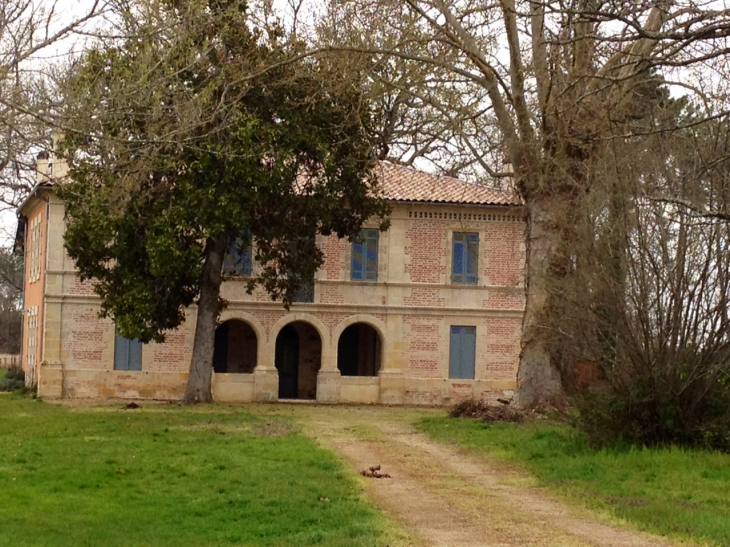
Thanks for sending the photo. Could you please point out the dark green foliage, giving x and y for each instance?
(208, 125)
(11, 318)
(14, 379)
(654, 414)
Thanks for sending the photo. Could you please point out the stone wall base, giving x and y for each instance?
(263, 386)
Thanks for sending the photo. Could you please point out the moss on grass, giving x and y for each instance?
(675, 492)
(171, 476)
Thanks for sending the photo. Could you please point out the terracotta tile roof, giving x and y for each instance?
(400, 183)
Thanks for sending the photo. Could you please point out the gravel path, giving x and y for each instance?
(442, 496)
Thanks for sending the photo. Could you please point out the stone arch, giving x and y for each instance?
(254, 323)
(304, 318)
(236, 347)
(359, 346)
(298, 359)
(374, 322)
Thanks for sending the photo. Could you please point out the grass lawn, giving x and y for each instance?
(165, 475)
(3, 372)
(675, 492)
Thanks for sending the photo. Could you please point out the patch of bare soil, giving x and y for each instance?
(444, 497)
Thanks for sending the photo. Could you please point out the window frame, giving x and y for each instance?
(369, 260)
(231, 263)
(469, 242)
(457, 367)
(131, 344)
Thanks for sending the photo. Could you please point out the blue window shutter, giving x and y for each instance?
(135, 355)
(457, 265)
(468, 351)
(462, 353)
(357, 256)
(371, 254)
(127, 353)
(121, 352)
(472, 269)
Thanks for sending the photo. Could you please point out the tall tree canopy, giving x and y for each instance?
(198, 126)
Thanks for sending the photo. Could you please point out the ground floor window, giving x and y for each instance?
(462, 352)
(127, 353)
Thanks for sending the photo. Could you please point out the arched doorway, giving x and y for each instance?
(359, 351)
(298, 359)
(235, 348)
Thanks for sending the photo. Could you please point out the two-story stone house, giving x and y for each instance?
(427, 312)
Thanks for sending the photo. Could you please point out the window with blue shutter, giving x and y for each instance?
(465, 258)
(365, 256)
(237, 260)
(462, 352)
(127, 353)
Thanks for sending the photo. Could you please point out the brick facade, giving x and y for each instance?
(411, 307)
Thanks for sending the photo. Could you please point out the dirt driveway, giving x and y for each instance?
(442, 496)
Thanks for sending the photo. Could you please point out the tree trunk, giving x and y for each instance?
(538, 376)
(198, 389)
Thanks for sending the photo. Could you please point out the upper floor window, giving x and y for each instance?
(34, 273)
(237, 261)
(127, 353)
(365, 256)
(465, 258)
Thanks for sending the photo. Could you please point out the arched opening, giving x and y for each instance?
(298, 359)
(235, 348)
(359, 351)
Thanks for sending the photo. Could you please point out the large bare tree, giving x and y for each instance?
(34, 34)
(549, 84)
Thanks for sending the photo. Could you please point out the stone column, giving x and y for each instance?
(392, 382)
(328, 378)
(266, 377)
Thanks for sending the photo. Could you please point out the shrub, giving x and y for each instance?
(655, 414)
(14, 380)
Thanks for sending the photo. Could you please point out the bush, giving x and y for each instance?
(655, 414)
(14, 380)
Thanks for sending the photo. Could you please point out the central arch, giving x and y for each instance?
(298, 358)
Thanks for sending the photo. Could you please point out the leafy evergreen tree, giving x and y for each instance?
(200, 125)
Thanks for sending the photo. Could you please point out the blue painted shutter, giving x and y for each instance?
(462, 353)
(135, 355)
(457, 263)
(356, 269)
(371, 254)
(121, 352)
(127, 353)
(472, 259)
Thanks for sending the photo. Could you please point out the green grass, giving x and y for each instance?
(671, 491)
(171, 476)
(3, 372)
